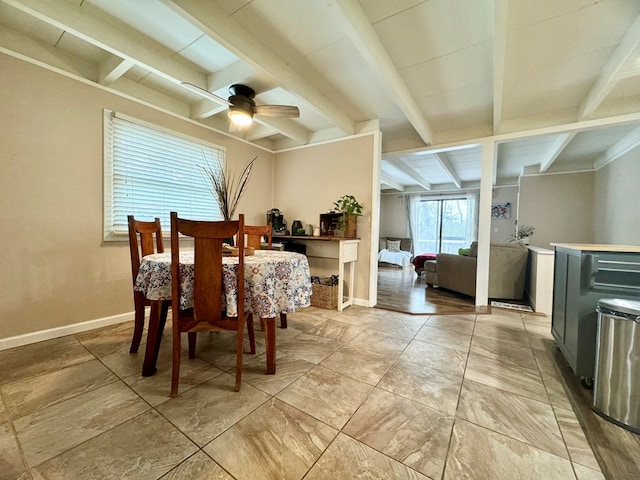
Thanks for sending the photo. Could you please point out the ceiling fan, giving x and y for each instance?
(242, 107)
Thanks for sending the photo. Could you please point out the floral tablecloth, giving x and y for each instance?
(275, 282)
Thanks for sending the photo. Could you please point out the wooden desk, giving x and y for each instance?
(345, 250)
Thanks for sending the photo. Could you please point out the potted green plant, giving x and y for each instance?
(522, 234)
(350, 209)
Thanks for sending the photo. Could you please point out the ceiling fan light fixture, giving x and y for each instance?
(240, 117)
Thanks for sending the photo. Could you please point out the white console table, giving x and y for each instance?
(345, 250)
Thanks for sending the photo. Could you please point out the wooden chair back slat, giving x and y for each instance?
(256, 233)
(208, 312)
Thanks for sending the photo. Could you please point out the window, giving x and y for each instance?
(443, 225)
(150, 172)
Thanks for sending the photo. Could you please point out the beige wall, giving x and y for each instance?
(559, 206)
(57, 271)
(616, 212)
(55, 268)
(308, 180)
(393, 216)
(502, 228)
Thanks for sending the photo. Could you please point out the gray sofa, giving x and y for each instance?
(507, 270)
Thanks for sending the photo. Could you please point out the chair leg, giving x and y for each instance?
(192, 344)
(164, 309)
(251, 333)
(138, 323)
(175, 369)
(239, 348)
(283, 320)
(157, 320)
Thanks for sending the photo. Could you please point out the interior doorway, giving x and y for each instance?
(401, 290)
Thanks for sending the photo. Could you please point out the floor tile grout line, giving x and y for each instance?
(14, 432)
(549, 403)
(271, 397)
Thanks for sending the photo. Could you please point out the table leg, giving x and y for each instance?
(157, 319)
(269, 327)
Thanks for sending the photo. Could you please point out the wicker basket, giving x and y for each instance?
(324, 296)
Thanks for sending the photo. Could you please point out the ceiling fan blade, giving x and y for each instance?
(288, 111)
(205, 93)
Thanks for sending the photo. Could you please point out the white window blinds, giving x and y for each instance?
(150, 172)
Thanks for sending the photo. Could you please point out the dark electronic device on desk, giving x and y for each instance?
(296, 228)
(278, 225)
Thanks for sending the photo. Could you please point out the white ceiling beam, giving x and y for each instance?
(371, 48)
(81, 23)
(16, 43)
(237, 72)
(150, 96)
(609, 75)
(444, 162)
(214, 21)
(258, 132)
(499, 52)
(403, 167)
(206, 108)
(615, 151)
(290, 129)
(386, 180)
(631, 68)
(112, 69)
(556, 148)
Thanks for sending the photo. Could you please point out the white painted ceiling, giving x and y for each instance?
(556, 82)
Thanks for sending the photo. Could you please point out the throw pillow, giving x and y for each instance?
(463, 251)
(383, 244)
(473, 249)
(393, 245)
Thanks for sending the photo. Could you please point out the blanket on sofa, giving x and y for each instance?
(401, 258)
(419, 261)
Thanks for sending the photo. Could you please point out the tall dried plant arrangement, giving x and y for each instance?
(225, 186)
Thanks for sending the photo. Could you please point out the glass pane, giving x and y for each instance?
(428, 226)
(455, 218)
(155, 172)
(443, 226)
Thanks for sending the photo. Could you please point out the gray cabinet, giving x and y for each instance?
(583, 274)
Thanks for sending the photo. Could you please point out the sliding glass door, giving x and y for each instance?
(443, 225)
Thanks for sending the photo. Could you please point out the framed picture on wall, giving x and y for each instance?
(501, 210)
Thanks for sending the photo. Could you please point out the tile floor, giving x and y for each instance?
(365, 393)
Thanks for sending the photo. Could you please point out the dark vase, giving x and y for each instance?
(296, 226)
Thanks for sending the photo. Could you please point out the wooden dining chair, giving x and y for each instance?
(208, 313)
(255, 234)
(142, 243)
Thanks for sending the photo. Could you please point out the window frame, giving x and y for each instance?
(439, 200)
(110, 231)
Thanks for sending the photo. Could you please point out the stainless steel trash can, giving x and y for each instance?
(616, 392)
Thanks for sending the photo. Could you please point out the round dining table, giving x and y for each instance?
(275, 282)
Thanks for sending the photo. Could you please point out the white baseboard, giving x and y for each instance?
(361, 302)
(28, 338)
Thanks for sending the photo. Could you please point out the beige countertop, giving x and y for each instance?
(595, 247)
(540, 250)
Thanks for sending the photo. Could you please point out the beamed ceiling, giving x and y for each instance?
(554, 81)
